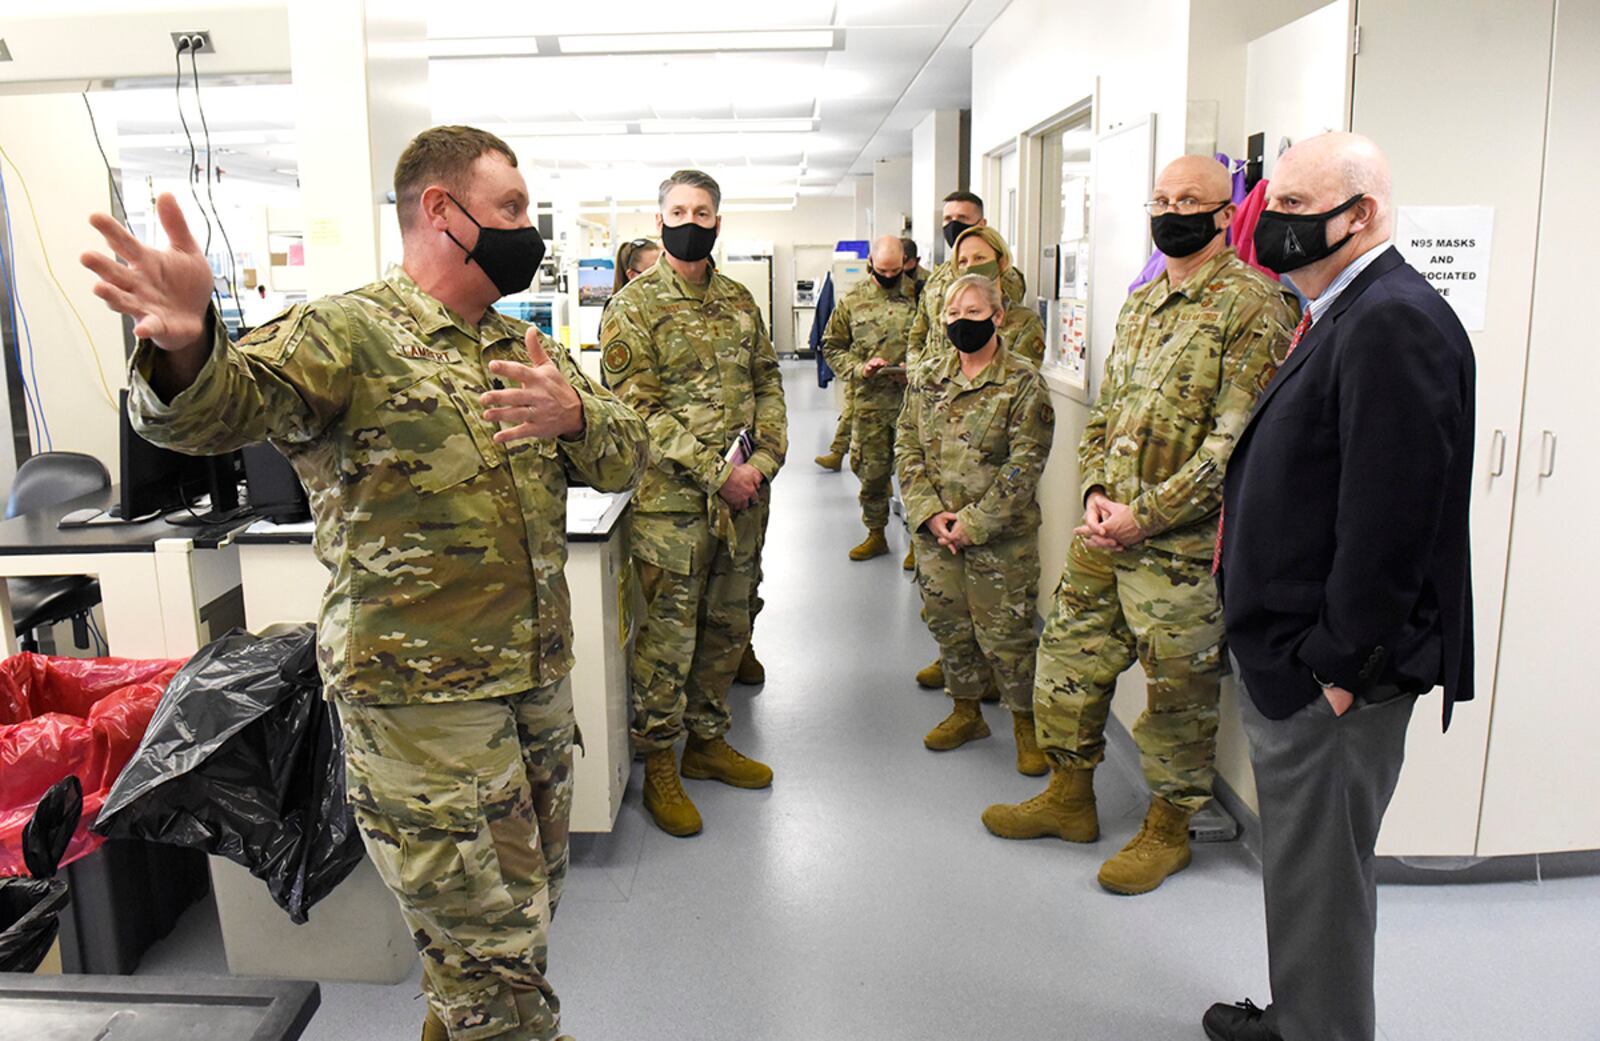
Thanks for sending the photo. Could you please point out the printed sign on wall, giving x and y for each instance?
(1449, 245)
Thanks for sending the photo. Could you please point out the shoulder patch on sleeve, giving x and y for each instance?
(617, 357)
(277, 338)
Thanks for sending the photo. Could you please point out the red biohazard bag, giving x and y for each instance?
(61, 717)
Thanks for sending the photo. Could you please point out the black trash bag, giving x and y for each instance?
(30, 908)
(244, 759)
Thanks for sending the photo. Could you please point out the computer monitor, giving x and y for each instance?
(273, 486)
(154, 480)
(157, 480)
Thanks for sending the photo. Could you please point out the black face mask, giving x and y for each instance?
(509, 256)
(953, 230)
(689, 242)
(1185, 234)
(886, 281)
(1286, 241)
(970, 335)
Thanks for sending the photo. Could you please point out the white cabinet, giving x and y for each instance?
(1446, 154)
(1544, 750)
(1517, 770)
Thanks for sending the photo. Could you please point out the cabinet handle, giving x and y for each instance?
(1547, 454)
(1497, 452)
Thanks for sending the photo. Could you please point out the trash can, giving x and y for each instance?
(244, 760)
(125, 896)
(69, 717)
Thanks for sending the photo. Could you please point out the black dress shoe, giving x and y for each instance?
(1239, 1022)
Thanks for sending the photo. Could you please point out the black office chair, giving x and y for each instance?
(46, 480)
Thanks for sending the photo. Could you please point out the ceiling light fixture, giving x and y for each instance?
(828, 39)
(802, 125)
(562, 128)
(677, 43)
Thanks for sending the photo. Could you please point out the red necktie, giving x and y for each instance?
(1222, 517)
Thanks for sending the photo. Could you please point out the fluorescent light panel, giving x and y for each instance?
(660, 43)
(636, 43)
(727, 126)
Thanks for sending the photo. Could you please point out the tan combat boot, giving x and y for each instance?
(931, 676)
(910, 563)
(1065, 810)
(669, 805)
(1160, 849)
(1030, 761)
(716, 760)
(831, 461)
(875, 545)
(751, 673)
(433, 1028)
(964, 723)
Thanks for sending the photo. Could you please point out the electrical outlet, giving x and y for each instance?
(203, 35)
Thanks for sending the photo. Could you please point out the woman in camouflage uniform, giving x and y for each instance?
(971, 444)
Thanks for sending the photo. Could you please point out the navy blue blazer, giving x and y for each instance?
(1346, 554)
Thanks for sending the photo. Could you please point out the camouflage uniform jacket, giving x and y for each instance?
(975, 446)
(871, 322)
(446, 549)
(1023, 334)
(927, 329)
(1185, 370)
(696, 363)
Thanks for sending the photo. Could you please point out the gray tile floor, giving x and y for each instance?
(861, 899)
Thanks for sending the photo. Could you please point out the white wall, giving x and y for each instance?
(891, 196)
(107, 40)
(858, 188)
(80, 366)
(352, 118)
(1295, 80)
(1040, 56)
(1219, 33)
(935, 173)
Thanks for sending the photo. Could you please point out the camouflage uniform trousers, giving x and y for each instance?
(695, 628)
(979, 605)
(464, 807)
(842, 433)
(1110, 610)
(756, 603)
(872, 461)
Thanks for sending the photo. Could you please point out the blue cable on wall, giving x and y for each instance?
(32, 395)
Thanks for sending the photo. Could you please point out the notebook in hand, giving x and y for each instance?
(743, 447)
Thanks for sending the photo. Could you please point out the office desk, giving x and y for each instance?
(165, 590)
(284, 582)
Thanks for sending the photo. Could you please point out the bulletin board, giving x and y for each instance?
(1119, 241)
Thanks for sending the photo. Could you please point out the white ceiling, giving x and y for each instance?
(592, 121)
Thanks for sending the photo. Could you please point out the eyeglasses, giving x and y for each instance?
(1156, 207)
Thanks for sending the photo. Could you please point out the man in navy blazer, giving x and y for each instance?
(1343, 564)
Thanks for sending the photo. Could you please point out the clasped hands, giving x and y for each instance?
(1109, 525)
(948, 529)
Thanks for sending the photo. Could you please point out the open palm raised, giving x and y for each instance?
(165, 291)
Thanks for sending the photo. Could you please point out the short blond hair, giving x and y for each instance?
(986, 286)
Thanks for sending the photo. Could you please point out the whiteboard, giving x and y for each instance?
(1119, 244)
